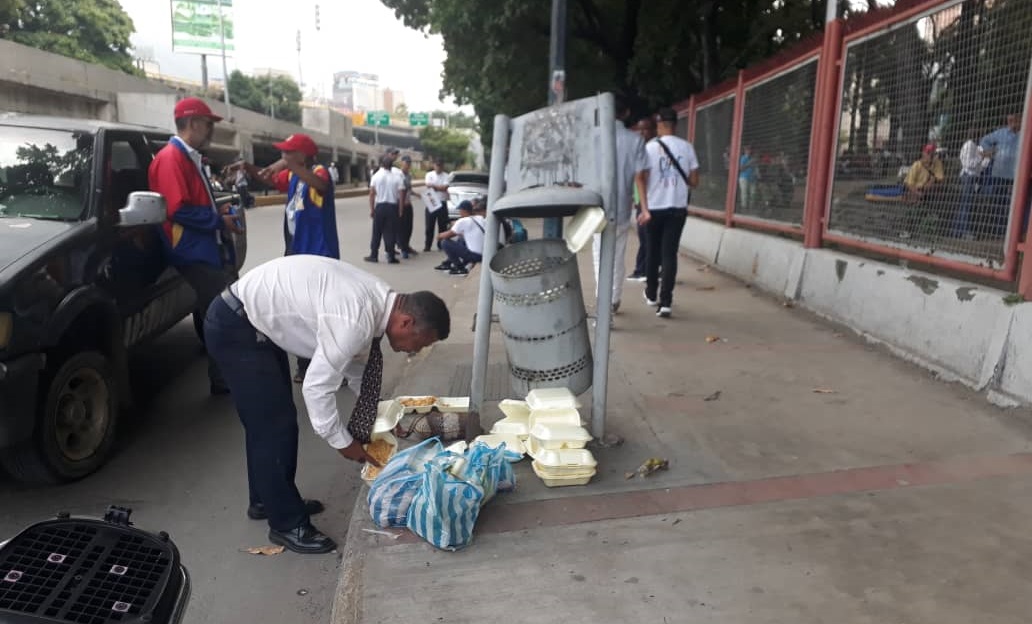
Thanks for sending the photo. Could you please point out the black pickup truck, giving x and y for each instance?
(82, 281)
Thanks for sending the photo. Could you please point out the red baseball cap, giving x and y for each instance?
(298, 143)
(194, 107)
(930, 148)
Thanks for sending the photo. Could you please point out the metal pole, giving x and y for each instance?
(482, 337)
(204, 72)
(607, 266)
(553, 226)
(225, 72)
(300, 80)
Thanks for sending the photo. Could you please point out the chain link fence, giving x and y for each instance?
(775, 148)
(929, 125)
(713, 147)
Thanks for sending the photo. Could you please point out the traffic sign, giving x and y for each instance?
(419, 119)
(377, 118)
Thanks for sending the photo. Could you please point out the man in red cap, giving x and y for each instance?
(194, 227)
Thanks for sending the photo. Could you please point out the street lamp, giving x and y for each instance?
(225, 73)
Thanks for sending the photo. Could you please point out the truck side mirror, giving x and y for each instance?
(142, 208)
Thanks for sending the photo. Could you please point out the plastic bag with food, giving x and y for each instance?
(444, 509)
(391, 493)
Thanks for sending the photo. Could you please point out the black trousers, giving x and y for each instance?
(258, 376)
(207, 282)
(438, 218)
(385, 226)
(664, 239)
(640, 264)
(405, 228)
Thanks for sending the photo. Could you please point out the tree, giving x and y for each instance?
(446, 144)
(401, 111)
(95, 31)
(276, 96)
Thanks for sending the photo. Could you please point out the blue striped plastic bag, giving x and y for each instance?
(493, 464)
(445, 507)
(390, 494)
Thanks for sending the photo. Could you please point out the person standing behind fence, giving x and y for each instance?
(386, 196)
(631, 168)
(437, 203)
(407, 216)
(1002, 146)
(646, 127)
(971, 164)
(748, 173)
(673, 172)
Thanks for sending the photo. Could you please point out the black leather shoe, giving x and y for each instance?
(305, 539)
(218, 389)
(257, 511)
(370, 258)
(393, 260)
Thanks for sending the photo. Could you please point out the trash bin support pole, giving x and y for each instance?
(607, 265)
(482, 338)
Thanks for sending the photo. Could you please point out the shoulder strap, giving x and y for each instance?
(478, 225)
(673, 161)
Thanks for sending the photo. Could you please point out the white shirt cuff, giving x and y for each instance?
(340, 439)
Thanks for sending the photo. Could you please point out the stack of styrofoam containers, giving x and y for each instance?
(557, 439)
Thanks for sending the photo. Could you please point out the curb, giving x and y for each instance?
(347, 599)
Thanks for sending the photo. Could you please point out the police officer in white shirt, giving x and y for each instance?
(386, 197)
(437, 208)
(330, 312)
(669, 189)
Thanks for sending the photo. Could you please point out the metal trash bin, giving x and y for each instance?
(537, 294)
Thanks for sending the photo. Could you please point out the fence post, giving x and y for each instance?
(1022, 194)
(822, 135)
(691, 120)
(736, 150)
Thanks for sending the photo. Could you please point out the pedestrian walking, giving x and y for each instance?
(673, 172)
(196, 233)
(436, 200)
(631, 167)
(386, 196)
(407, 213)
(334, 173)
(646, 127)
(331, 313)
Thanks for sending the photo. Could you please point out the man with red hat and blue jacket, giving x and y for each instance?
(195, 232)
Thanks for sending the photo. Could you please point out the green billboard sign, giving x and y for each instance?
(197, 29)
(377, 118)
(419, 119)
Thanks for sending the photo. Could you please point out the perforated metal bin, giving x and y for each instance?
(537, 295)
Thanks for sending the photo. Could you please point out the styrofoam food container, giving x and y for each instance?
(588, 221)
(566, 416)
(551, 399)
(494, 440)
(515, 410)
(512, 427)
(421, 409)
(575, 479)
(388, 414)
(554, 437)
(566, 462)
(452, 404)
(458, 448)
(384, 435)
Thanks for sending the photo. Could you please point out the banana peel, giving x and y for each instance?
(650, 466)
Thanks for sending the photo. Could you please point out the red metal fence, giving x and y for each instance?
(899, 132)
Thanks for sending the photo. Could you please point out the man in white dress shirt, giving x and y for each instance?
(331, 313)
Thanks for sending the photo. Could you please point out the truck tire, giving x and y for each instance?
(75, 423)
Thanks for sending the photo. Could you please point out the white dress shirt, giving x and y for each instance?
(388, 186)
(321, 309)
(435, 179)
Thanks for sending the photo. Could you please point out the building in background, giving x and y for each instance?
(392, 99)
(356, 91)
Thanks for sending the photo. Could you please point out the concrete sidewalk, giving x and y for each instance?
(828, 482)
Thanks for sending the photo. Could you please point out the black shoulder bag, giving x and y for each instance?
(677, 165)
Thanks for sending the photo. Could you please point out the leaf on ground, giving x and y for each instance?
(265, 550)
(824, 391)
(788, 304)
(706, 288)
(712, 339)
(713, 397)
(703, 268)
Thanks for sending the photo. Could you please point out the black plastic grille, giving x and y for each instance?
(84, 572)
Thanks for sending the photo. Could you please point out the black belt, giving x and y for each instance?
(235, 305)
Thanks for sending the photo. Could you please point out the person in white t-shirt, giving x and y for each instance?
(464, 242)
(436, 201)
(669, 189)
(386, 196)
(631, 168)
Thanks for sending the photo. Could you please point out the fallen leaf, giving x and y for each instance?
(302, 592)
(265, 550)
(788, 304)
(703, 268)
(678, 521)
(824, 391)
(713, 397)
(712, 339)
(629, 475)
(706, 288)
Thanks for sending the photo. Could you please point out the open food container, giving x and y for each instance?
(547, 399)
(582, 478)
(515, 410)
(510, 426)
(455, 405)
(494, 440)
(370, 472)
(556, 437)
(388, 413)
(419, 404)
(566, 462)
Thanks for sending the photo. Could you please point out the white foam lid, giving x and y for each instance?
(551, 399)
(388, 414)
(560, 433)
(567, 458)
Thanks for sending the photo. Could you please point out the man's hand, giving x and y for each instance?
(356, 453)
(231, 224)
(644, 216)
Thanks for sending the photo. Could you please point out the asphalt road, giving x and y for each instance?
(180, 462)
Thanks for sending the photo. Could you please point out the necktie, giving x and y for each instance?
(361, 424)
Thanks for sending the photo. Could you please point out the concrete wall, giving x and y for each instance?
(963, 331)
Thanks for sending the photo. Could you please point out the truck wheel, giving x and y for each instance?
(75, 424)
